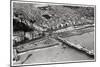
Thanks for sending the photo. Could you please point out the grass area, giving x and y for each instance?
(47, 42)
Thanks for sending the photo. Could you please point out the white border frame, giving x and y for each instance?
(51, 3)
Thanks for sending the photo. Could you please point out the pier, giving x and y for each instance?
(74, 46)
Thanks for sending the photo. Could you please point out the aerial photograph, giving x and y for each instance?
(51, 33)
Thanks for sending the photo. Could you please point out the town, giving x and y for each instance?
(39, 27)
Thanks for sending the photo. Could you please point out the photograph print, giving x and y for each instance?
(51, 33)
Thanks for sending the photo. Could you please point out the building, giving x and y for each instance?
(28, 35)
(18, 36)
(33, 34)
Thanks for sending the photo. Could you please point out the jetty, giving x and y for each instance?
(74, 46)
